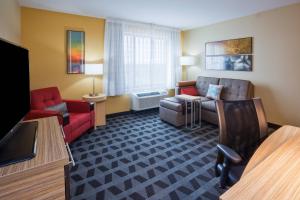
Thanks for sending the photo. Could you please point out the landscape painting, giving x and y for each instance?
(233, 55)
(75, 52)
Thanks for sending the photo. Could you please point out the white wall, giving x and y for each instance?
(276, 67)
(10, 21)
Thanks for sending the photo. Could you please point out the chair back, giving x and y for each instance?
(45, 97)
(242, 125)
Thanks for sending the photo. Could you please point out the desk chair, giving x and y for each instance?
(243, 127)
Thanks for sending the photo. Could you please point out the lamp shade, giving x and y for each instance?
(188, 60)
(93, 69)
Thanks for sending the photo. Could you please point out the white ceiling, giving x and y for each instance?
(184, 14)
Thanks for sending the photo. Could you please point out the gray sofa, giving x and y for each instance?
(171, 109)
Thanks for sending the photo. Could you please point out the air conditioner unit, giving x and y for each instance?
(147, 100)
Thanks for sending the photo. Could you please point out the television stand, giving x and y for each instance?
(46, 176)
(21, 144)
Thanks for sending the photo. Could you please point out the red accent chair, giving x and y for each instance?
(81, 115)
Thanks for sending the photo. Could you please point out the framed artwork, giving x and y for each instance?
(231, 55)
(75, 52)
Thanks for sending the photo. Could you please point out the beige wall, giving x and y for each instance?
(44, 34)
(10, 21)
(276, 68)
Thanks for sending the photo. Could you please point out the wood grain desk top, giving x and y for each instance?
(273, 173)
(50, 152)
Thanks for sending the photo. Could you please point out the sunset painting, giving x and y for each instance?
(75, 52)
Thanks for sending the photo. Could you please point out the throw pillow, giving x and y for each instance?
(191, 90)
(62, 108)
(214, 91)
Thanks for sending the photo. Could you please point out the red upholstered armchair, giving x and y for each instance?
(75, 116)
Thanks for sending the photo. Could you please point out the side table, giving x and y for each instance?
(99, 100)
(193, 100)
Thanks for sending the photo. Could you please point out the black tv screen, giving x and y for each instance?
(15, 90)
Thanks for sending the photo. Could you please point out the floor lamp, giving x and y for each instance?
(188, 61)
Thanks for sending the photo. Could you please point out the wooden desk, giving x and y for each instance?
(42, 177)
(273, 173)
(100, 114)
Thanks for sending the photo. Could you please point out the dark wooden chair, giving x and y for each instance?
(243, 127)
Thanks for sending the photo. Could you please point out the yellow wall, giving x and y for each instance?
(276, 68)
(10, 21)
(44, 34)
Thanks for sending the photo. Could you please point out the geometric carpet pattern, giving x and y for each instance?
(137, 156)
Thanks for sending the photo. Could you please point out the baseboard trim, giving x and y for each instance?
(118, 114)
(273, 125)
(130, 112)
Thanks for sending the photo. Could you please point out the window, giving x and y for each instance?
(150, 57)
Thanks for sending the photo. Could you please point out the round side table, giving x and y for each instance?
(99, 107)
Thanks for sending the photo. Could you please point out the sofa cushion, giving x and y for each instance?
(214, 91)
(191, 90)
(203, 83)
(176, 104)
(171, 103)
(235, 89)
(209, 105)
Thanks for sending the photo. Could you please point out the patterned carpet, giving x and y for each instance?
(137, 156)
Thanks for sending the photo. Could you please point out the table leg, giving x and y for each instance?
(195, 110)
(186, 113)
(192, 110)
(95, 110)
(200, 108)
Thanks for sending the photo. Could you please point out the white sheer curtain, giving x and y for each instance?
(114, 66)
(142, 56)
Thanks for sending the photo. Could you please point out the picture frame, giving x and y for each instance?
(229, 55)
(75, 51)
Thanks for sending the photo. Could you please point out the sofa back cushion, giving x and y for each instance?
(236, 89)
(202, 84)
(45, 97)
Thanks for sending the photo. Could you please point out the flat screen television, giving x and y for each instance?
(17, 139)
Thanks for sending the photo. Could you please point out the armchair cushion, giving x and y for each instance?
(78, 106)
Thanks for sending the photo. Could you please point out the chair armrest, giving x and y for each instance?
(186, 83)
(35, 114)
(229, 153)
(79, 106)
